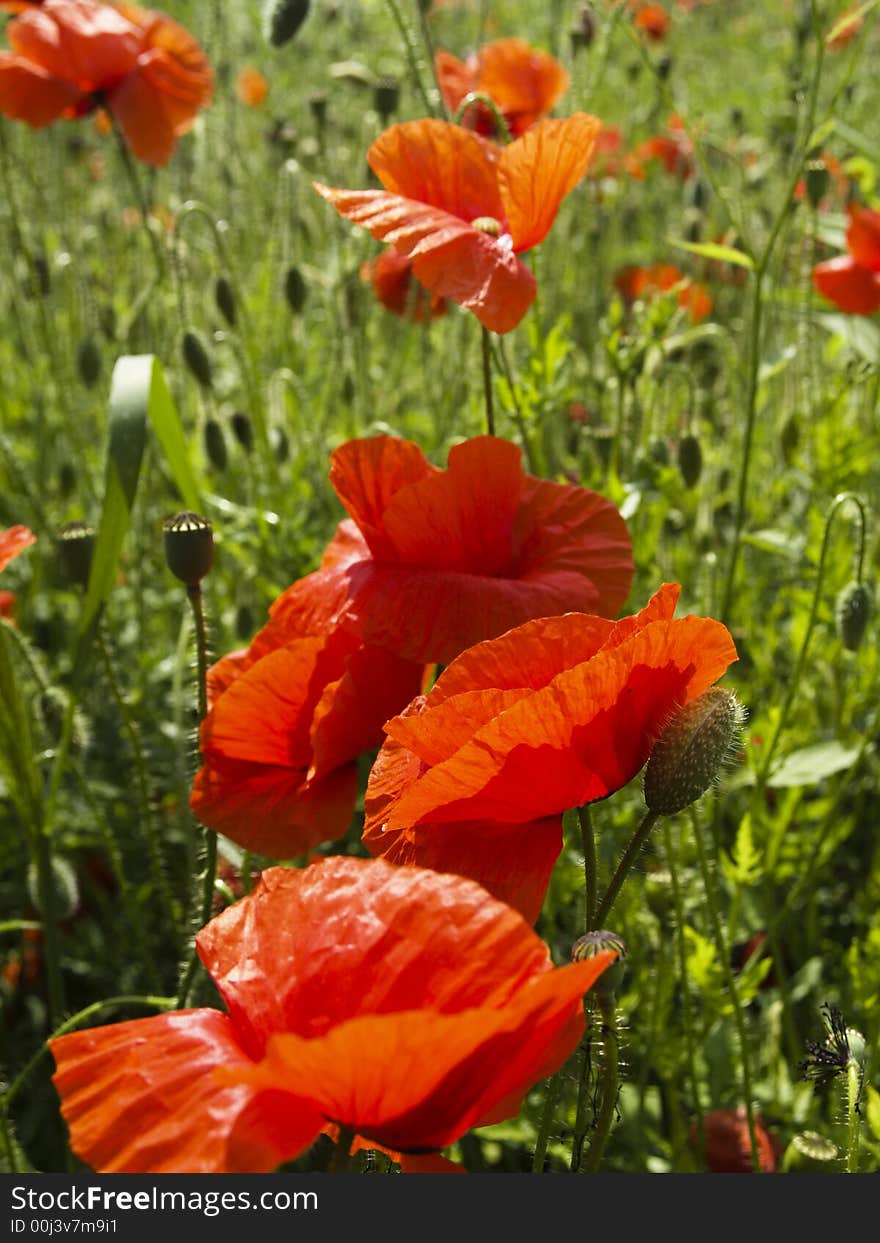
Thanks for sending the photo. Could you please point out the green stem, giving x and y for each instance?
(609, 1080)
(588, 841)
(487, 381)
(730, 984)
(551, 1098)
(580, 1121)
(139, 194)
(853, 1093)
(681, 950)
(500, 354)
(341, 1162)
(628, 858)
(412, 55)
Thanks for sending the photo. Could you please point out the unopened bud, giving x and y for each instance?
(282, 19)
(295, 289)
(690, 460)
(818, 180)
(215, 445)
(583, 29)
(189, 546)
(224, 296)
(243, 430)
(196, 357)
(76, 544)
(386, 97)
(65, 890)
(688, 755)
(88, 362)
(852, 612)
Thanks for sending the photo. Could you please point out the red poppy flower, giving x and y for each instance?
(728, 1148)
(14, 540)
(401, 1004)
(70, 55)
(674, 150)
(288, 718)
(433, 561)
(7, 605)
(251, 87)
(637, 282)
(390, 274)
(557, 713)
(523, 82)
(652, 20)
(852, 281)
(462, 210)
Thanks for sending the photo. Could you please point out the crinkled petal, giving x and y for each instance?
(538, 170)
(360, 936)
(14, 540)
(523, 81)
(367, 473)
(32, 94)
(419, 1079)
(90, 45)
(849, 286)
(439, 164)
(141, 1098)
(863, 237)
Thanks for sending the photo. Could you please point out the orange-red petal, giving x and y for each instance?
(537, 171)
(440, 165)
(85, 43)
(14, 540)
(848, 285)
(523, 81)
(141, 1098)
(32, 94)
(863, 237)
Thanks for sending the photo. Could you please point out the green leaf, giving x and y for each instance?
(873, 1111)
(810, 765)
(782, 543)
(860, 334)
(713, 250)
(170, 435)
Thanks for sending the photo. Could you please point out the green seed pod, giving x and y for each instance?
(386, 97)
(789, 438)
(280, 445)
(75, 542)
(196, 357)
(189, 546)
(691, 750)
(658, 451)
(66, 479)
(295, 289)
(64, 885)
(224, 296)
(215, 445)
(318, 107)
(852, 612)
(282, 19)
(596, 943)
(244, 622)
(690, 460)
(809, 1153)
(88, 362)
(243, 430)
(583, 29)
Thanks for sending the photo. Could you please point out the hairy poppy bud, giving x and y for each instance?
(690, 751)
(189, 546)
(583, 29)
(852, 612)
(282, 19)
(817, 180)
(243, 430)
(789, 437)
(690, 460)
(76, 543)
(196, 357)
(318, 107)
(295, 289)
(88, 362)
(64, 886)
(224, 296)
(597, 942)
(386, 97)
(215, 445)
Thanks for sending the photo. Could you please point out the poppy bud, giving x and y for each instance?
(65, 888)
(76, 544)
(244, 622)
(597, 942)
(66, 478)
(728, 1149)
(282, 19)
(690, 460)
(318, 108)
(281, 445)
(224, 296)
(583, 30)
(242, 430)
(852, 612)
(789, 437)
(189, 546)
(664, 67)
(690, 751)
(215, 445)
(88, 362)
(295, 289)
(809, 1153)
(658, 451)
(196, 357)
(818, 180)
(386, 97)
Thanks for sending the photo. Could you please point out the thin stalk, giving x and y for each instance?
(580, 1122)
(501, 355)
(487, 381)
(628, 858)
(551, 1098)
(341, 1162)
(429, 49)
(412, 56)
(609, 1081)
(687, 1017)
(730, 984)
(137, 189)
(588, 842)
(853, 1094)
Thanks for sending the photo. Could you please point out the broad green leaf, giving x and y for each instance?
(783, 543)
(713, 250)
(810, 765)
(169, 433)
(862, 335)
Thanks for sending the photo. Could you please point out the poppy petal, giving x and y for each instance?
(849, 286)
(367, 472)
(538, 170)
(359, 936)
(438, 164)
(32, 94)
(144, 118)
(161, 1071)
(523, 81)
(455, 78)
(86, 44)
(863, 237)
(14, 540)
(419, 1079)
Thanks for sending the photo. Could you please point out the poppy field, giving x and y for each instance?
(439, 674)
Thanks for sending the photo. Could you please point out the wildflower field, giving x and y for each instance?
(438, 649)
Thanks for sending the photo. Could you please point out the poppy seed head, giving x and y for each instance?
(487, 224)
(691, 750)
